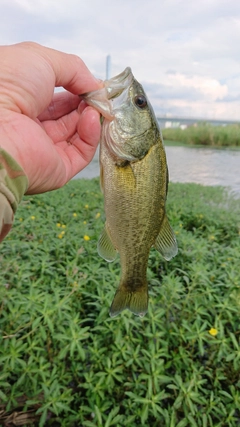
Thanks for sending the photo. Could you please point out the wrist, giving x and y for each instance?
(13, 181)
(13, 184)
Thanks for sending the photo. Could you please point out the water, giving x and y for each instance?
(207, 166)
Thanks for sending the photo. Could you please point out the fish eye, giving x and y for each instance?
(140, 101)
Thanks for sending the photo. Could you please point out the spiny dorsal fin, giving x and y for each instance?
(166, 242)
(105, 247)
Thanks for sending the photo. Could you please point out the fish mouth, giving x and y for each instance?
(116, 85)
(102, 99)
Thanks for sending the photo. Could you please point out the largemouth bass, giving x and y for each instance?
(134, 180)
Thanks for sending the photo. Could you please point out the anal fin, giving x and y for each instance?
(166, 242)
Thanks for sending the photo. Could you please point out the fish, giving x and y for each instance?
(134, 182)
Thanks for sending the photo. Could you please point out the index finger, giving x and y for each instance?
(62, 103)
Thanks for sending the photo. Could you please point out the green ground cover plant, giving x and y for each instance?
(65, 362)
(205, 134)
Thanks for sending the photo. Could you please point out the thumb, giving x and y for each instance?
(70, 70)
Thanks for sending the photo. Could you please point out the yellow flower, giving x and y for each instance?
(32, 217)
(75, 285)
(74, 214)
(84, 222)
(63, 226)
(86, 238)
(212, 237)
(58, 224)
(62, 232)
(200, 216)
(86, 206)
(60, 236)
(97, 215)
(20, 219)
(213, 332)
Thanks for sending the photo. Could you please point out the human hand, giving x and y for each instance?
(51, 136)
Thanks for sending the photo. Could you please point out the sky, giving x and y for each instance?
(186, 54)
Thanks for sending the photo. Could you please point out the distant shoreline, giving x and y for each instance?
(189, 121)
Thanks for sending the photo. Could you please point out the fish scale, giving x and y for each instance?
(134, 180)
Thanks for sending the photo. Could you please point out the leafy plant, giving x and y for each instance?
(65, 362)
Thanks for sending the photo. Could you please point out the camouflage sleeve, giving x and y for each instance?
(13, 184)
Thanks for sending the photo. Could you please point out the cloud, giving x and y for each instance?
(198, 41)
(210, 88)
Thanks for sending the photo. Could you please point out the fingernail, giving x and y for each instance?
(82, 105)
(100, 82)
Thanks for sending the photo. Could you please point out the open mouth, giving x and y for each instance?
(116, 85)
(113, 89)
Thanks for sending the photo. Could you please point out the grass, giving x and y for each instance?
(65, 362)
(205, 134)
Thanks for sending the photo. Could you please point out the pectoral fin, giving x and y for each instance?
(105, 247)
(101, 178)
(166, 242)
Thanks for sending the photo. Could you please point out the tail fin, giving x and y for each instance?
(135, 301)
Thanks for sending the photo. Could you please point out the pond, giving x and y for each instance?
(201, 165)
